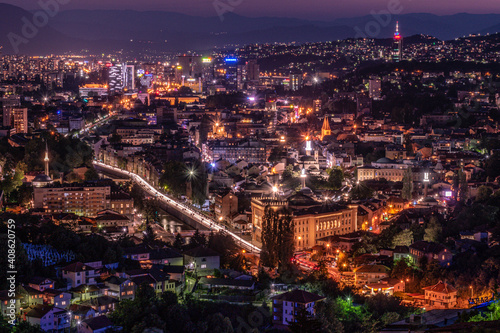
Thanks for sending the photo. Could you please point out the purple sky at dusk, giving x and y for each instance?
(309, 9)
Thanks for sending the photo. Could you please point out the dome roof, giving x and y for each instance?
(300, 199)
(42, 178)
(429, 200)
(384, 160)
(306, 158)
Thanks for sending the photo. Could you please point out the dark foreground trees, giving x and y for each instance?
(277, 238)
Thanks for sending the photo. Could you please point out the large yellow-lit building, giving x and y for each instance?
(81, 199)
(312, 219)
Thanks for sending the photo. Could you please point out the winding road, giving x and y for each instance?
(181, 207)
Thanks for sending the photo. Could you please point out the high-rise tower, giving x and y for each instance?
(397, 52)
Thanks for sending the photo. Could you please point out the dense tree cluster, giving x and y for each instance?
(166, 313)
(277, 238)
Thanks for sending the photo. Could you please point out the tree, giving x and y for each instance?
(408, 144)
(13, 180)
(493, 165)
(335, 178)
(402, 269)
(463, 186)
(178, 242)
(483, 193)
(174, 177)
(198, 239)
(199, 184)
(223, 244)
(407, 192)
(361, 192)
(277, 238)
(91, 174)
(433, 230)
(403, 238)
(149, 236)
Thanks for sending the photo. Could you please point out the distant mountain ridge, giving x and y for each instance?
(108, 30)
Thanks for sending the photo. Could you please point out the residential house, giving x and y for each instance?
(85, 292)
(431, 251)
(287, 305)
(60, 299)
(386, 286)
(50, 318)
(29, 296)
(175, 272)
(81, 312)
(41, 283)
(401, 252)
(202, 259)
(102, 304)
(120, 288)
(99, 324)
(226, 204)
(158, 280)
(109, 218)
(5, 303)
(166, 256)
(367, 274)
(78, 273)
(442, 295)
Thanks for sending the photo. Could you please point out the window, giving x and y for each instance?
(203, 266)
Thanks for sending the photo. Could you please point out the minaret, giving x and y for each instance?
(46, 159)
(303, 176)
(325, 130)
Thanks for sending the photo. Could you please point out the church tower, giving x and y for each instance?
(325, 130)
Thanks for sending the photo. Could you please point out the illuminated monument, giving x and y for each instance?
(397, 52)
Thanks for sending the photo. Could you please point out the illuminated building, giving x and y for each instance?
(191, 66)
(325, 130)
(232, 73)
(90, 90)
(285, 306)
(115, 82)
(128, 77)
(397, 53)
(80, 199)
(234, 150)
(312, 220)
(16, 117)
(252, 71)
(295, 81)
(86, 199)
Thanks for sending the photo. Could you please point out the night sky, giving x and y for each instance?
(307, 9)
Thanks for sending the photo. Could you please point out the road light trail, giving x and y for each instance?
(208, 222)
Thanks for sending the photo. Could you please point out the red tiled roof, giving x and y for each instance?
(298, 296)
(77, 267)
(441, 287)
